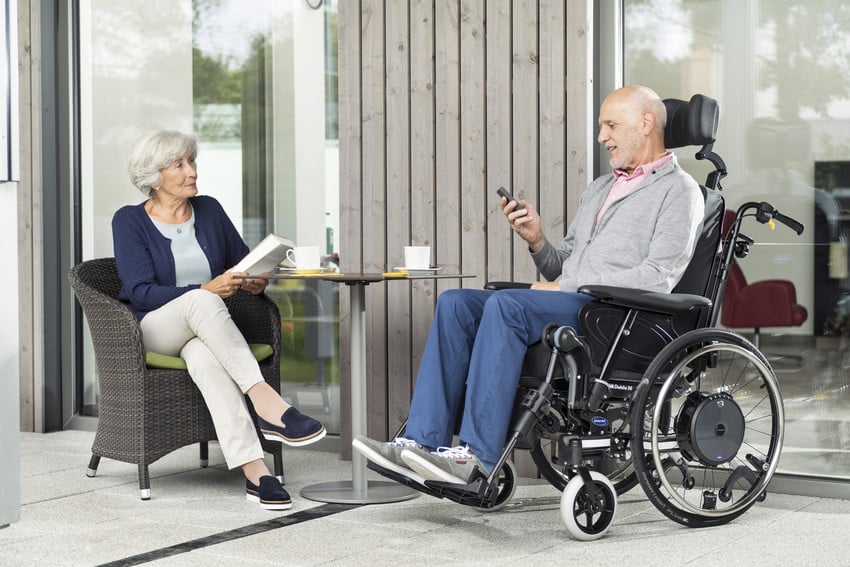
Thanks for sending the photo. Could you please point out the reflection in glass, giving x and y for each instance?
(256, 81)
(779, 70)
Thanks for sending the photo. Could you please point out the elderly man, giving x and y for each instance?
(635, 227)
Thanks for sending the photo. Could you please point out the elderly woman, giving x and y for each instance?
(173, 251)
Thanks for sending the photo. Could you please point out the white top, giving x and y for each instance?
(190, 263)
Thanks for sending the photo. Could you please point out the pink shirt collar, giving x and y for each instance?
(624, 183)
(644, 169)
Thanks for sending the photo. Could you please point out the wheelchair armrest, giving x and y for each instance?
(669, 303)
(506, 285)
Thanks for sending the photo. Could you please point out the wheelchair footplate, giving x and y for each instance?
(475, 493)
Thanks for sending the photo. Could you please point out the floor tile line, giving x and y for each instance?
(252, 529)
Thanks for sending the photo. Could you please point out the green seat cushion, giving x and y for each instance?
(156, 360)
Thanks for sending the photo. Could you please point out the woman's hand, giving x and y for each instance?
(525, 222)
(255, 285)
(226, 284)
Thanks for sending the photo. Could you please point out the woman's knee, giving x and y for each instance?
(205, 310)
(205, 300)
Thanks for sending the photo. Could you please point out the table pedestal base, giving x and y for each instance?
(343, 492)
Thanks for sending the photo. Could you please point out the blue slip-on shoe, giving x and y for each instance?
(270, 494)
(298, 429)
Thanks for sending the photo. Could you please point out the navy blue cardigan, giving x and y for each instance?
(144, 258)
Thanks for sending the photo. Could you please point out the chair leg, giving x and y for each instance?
(278, 465)
(144, 482)
(772, 357)
(205, 454)
(326, 400)
(93, 463)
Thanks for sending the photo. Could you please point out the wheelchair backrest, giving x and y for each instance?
(697, 278)
(694, 123)
(688, 123)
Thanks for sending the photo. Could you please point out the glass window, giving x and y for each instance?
(255, 80)
(779, 70)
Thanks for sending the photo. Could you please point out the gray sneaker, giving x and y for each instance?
(388, 455)
(446, 464)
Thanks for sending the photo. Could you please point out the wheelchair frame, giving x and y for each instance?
(674, 417)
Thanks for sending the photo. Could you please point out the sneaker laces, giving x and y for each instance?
(403, 442)
(461, 452)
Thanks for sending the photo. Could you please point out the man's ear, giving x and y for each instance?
(647, 122)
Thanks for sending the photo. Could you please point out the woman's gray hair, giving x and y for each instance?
(154, 152)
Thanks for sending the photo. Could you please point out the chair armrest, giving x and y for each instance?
(117, 342)
(493, 286)
(256, 316)
(667, 303)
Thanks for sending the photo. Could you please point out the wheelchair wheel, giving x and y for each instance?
(588, 517)
(546, 456)
(709, 414)
(507, 488)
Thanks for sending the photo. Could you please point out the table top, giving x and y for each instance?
(358, 277)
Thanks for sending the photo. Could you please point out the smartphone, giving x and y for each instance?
(504, 193)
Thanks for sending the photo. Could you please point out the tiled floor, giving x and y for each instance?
(200, 517)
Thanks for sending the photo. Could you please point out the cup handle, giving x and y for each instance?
(290, 255)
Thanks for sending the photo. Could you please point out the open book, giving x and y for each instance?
(265, 256)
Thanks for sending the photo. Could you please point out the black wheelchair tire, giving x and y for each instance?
(677, 356)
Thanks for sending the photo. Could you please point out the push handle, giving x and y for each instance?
(765, 212)
(791, 223)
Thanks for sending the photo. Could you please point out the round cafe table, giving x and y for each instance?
(359, 490)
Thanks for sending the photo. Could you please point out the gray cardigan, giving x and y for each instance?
(643, 241)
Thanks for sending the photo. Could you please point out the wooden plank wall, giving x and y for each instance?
(441, 102)
(30, 268)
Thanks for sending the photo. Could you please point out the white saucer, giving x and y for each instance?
(302, 271)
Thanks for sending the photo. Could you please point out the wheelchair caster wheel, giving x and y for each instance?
(506, 488)
(587, 517)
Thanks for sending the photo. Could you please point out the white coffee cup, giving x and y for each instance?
(417, 257)
(305, 257)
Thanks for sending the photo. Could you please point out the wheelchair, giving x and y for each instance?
(649, 392)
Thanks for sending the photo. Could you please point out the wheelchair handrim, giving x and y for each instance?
(776, 441)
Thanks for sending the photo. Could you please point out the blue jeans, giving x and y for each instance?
(479, 339)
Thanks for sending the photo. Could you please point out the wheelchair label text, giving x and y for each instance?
(599, 421)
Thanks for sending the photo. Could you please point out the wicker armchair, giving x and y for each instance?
(147, 412)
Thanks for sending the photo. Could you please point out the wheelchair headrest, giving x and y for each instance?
(691, 123)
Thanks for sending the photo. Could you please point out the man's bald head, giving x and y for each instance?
(631, 126)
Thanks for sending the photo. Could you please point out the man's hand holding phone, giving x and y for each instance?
(502, 192)
(523, 219)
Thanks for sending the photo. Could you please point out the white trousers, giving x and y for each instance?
(197, 327)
